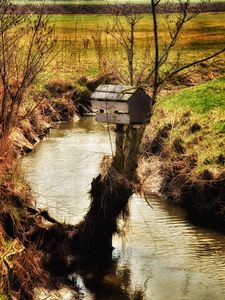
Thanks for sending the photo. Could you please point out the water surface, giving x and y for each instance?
(163, 255)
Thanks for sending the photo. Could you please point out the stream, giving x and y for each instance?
(163, 254)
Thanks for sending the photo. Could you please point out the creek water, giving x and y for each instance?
(163, 255)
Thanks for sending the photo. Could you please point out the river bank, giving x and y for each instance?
(187, 142)
(21, 267)
(21, 223)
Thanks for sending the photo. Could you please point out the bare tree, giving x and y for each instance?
(126, 37)
(129, 137)
(160, 72)
(26, 46)
(99, 49)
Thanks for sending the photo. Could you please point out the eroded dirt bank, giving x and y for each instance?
(202, 194)
(174, 179)
(21, 263)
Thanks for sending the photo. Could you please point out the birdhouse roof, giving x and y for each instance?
(113, 92)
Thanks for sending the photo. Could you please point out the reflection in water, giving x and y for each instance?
(163, 255)
(103, 279)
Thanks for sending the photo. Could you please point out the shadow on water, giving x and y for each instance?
(85, 125)
(105, 279)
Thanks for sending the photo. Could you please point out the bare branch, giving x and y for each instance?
(192, 64)
(26, 47)
(125, 36)
(156, 47)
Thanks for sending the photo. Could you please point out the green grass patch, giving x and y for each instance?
(200, 99)
(197, 116)
(220, 126)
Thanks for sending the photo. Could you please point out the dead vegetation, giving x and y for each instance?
(202, 73)
(48, 107)
(20, 269)
(32, 244)
(20, 266)
(22, 256)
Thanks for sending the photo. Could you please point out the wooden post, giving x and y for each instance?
(132, 153)
(118, 160)
(128, 142)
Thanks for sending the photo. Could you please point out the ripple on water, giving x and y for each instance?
(163, 256)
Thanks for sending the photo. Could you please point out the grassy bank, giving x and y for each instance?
(187, 133)
(197, 123)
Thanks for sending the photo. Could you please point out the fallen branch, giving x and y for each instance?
(42, 213)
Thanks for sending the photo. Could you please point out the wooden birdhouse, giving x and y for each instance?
(120, 104)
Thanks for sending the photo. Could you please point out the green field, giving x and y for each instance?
(78, 35)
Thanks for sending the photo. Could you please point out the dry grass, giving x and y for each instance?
(78, 36)
(20, 262)
(20, 270)
(6, 158)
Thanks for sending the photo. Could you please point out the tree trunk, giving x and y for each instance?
(110, 194)
(109, 199)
